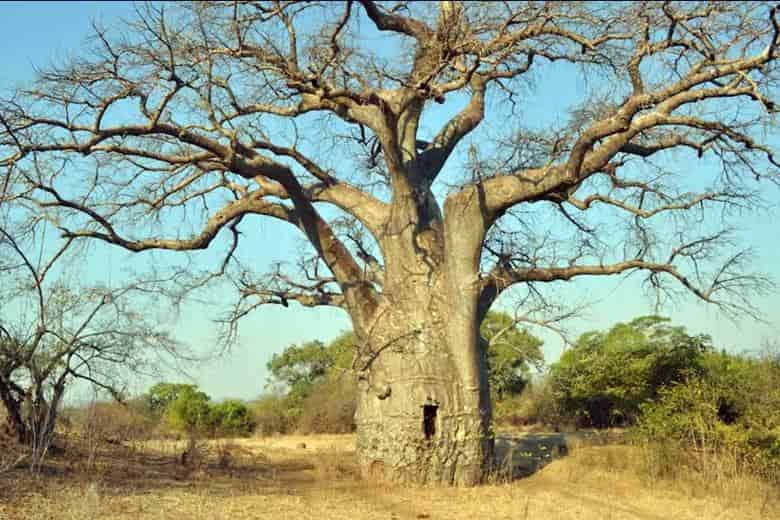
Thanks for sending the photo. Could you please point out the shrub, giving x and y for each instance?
(111, 421)
(231, 418)
(731, 411)
(190, 412)
(330, 407)
(162, 395)
(604, 379)
(272, 415)
(686, 412)
(183, 408)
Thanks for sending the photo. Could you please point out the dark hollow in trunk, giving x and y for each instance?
(429, 420)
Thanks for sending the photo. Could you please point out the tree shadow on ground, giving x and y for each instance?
(124, 471)
(522, 456)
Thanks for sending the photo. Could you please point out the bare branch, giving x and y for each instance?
(393, 22)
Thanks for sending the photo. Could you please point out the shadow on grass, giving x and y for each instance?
(232, 468)
(122, 471)
(522, 456)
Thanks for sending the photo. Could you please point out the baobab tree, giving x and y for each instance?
(199, 120)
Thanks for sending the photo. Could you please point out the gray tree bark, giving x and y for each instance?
(424, 411)
(423, 408)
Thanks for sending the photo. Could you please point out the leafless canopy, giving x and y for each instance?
(202, 117)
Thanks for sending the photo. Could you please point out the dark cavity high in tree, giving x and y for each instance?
(200, 120)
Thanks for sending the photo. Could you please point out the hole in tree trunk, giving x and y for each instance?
(429, 420)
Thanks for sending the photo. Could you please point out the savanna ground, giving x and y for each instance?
(279, 477)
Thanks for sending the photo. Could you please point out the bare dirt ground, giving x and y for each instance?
(278, 478)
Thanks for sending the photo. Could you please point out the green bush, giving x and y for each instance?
(190, 412)
(298, 367)
(605, 377)
(183, 408)
(731, 410)
(686, 412)
(231, 418)
(160, 397)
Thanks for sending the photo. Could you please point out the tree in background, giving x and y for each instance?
(512, 352)
(318, 384)
(232, 418)
(604, 379)
(299, 367)
(201, 118)
(55, 332)
(160, 397)
(186, 409)
(190, 412)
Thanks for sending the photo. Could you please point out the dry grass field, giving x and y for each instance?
(279, 478)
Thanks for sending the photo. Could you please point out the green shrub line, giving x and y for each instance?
(682, 402)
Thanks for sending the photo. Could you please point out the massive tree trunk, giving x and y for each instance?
(422, 415)
(424, 411)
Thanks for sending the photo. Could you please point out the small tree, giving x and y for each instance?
(232, 417)
(53, 334)
(605, 377)
(190, 412)
(511, 353)
(298, 368)
(160, 397)
(313, 368)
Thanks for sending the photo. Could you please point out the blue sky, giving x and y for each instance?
(36, 34)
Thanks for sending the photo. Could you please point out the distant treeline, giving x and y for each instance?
(655, 379)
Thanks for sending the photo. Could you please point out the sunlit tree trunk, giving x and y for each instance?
(423, 407)
(422, 412)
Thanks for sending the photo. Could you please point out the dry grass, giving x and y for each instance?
(278, 478)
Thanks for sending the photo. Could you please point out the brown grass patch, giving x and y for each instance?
(277, 478)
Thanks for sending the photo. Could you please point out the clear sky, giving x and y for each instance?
(38, 33)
